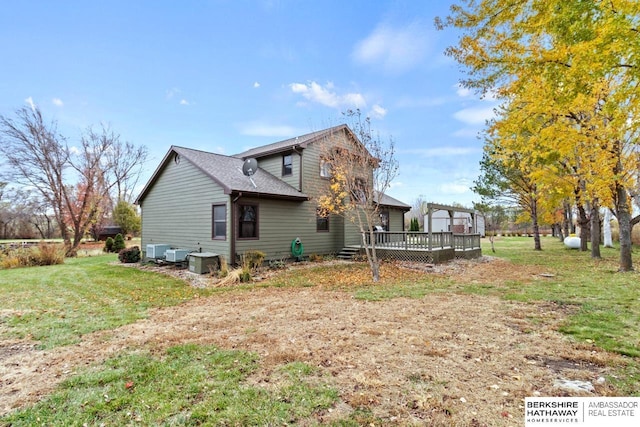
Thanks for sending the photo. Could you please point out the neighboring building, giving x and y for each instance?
(456, 220)
(203, 201)
(104, 232)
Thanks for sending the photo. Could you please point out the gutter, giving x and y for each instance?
(232, 246)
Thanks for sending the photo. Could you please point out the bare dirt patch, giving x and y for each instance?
(445, 359)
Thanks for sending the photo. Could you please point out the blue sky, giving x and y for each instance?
(224, 76)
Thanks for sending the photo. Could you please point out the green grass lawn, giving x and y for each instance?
(56, 305)
(608, 301)
(189, 385)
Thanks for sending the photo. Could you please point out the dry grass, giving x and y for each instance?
(441, 359)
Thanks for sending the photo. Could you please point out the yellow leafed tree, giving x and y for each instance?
(568, 75)
(361, 172)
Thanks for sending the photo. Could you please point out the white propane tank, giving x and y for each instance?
(572, 242)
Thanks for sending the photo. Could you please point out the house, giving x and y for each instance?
(205, 202)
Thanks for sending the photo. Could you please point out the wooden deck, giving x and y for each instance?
(425, 247)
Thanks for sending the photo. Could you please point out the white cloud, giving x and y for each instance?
(256, 85)
(462, 91)
(396, 49)
(474, 116)
(184, 102)
(377, 112)
(455, 187)
(266, 129)
(57, 102)
(326, 96)
(29, 101)
(298, 87)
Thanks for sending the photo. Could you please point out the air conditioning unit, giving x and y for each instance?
(203, 262)
(157, 251)
(176, 255)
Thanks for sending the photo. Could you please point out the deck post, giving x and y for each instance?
(430, 243)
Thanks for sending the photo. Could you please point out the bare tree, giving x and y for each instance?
(6, 211)
(40, 216)
(419, 209)
(361, 173)
(123, 163)
(75, 182)
(36, 157)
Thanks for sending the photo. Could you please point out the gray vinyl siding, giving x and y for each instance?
(178, 210)
(396, 220)
(280, 222)
(315, 185)
(312, 183)
(352, 235)
(273, 165)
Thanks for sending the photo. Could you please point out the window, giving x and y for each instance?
(384, 220)
(322, 220)
(247, 221)
(325, 168)
(287, 164)
(359, 191)
(219, 228)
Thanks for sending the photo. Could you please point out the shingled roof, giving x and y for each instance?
(288, 144)
(226, 171)
(387, 200)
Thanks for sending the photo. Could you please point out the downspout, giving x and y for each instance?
(299, 153)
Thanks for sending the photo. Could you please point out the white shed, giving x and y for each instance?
(454, 219)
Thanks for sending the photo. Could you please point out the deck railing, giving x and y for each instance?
(462, 242)
(408, 240)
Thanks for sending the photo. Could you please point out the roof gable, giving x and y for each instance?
(226, 171)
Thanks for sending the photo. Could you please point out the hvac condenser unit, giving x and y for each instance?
(157, 251)
(176, 255)
(203, 262)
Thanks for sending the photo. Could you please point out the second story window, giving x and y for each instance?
(359, 191)
(287, 164)
(325, 168)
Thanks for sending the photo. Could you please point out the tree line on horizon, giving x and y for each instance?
(53, 188)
